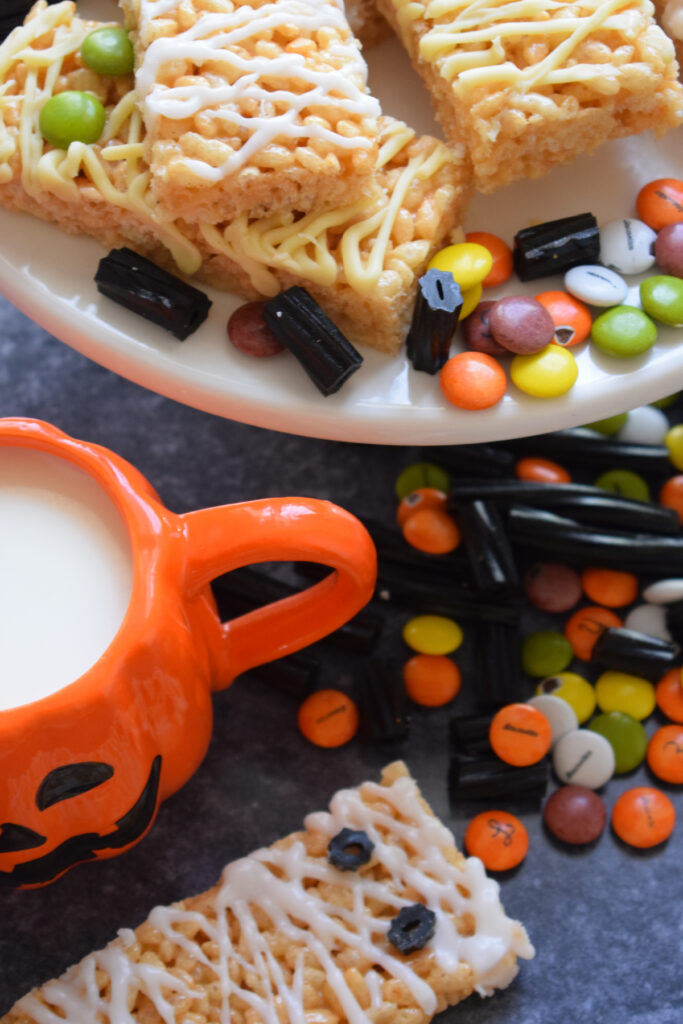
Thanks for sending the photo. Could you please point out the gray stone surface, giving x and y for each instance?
(607, 922)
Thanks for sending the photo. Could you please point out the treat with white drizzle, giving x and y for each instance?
(670, 17)
(256, 105)
(287, 938)
(529, 84)
(361, 261)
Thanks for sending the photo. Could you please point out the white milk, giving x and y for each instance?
(66, 574)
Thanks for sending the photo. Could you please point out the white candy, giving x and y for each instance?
(645, 425)
(559, 713)
(664, 591)
(650, 619)
(596, 285)
(584, 758)
(627, 246)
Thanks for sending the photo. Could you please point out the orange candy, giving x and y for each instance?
(671, 495)
(669, 695)
(585, 626)
(423, 497)
(520, 734)
(643, 817)
(328, 718)
(502, 257)
(665, 753)
(572, 319)
(473, 380)
(660, 203)
(542, 471)
(609, 587)
(498, 838)
(432, 531)
(431, 679)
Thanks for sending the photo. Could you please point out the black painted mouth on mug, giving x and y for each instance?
(77, 849)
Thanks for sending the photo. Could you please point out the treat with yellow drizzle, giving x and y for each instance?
(361, 261)
(528, 84)
(253, 105)
(287, 937)
(670, 17)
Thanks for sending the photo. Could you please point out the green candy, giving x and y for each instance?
(610, 425)
(72, 117)
(421, 474)
(108, 51)
(624, 482)
(546, 653)
(664, 403)
(662, 298)
(624, 332)
(627, 737)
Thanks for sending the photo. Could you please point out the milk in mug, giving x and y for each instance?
(66, 574)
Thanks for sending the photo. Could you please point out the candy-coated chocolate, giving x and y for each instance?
(596, 285)
(520, 734)
(476, 331)
(552, 587)
(627, 736)
(669, 249)
(473, 380)
(674, 443)
(610, 426)
(571, 317)
(431, 679)
(669, 695)
(561, 715)
(584, 758)
(501, 254)
(498, 839)
(470, 299)
(572, 688)
(328, 718)
(644, 425)
(621, 691)
(108, 51)
(542, 471)
(421, 474)
(624, 332)
(521, 325)
(662, 298)
(609, 587)
(660, 202)
(649, 619)
(625, 483)
(72, 116)
(432, 634)
(248, 331)
(468, 262)
(575, 814)
(431, 530)
(643, 817)
(550, 373)
(546, 653)
(671, 496)
(626, 246)
(423, 497)
(586, 625)
(665, 754)
(664, 591)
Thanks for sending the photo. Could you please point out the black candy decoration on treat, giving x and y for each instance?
(298, 322)
(412, 928)
(556, 246)
(383, 702)
(488, 778)
(151, 292)
(435, 320)
(350, 849)
(640, 654)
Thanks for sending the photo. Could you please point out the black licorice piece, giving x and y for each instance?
(556, 246)
(295, 675)
(435, 320)
(488, 550)
(350, 849)
(383, 702)
(646, 553)
(421, 592)
(639, 654)
(587, 449)
(151, 292)
(298, 322)
(499, 665)
(469, 734)
(582, 502)
(490, 779)
(484, 460)
(674, 621)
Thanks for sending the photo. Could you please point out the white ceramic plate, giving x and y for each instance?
(49, 275)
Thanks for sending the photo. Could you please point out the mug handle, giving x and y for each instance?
(276, 530)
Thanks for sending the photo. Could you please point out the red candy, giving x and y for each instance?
(248, 332)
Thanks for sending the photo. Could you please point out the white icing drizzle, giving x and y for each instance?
(258, 97)
(410, 844)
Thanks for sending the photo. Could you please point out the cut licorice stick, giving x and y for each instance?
(488, 549)
(555, 246)
(383, 702)
(488, 778)
(435, 319)
(498, 655)
(638, 653)
(469, 734)
(415, 589)
(151, 292)
(583, 447)
(582, 502)
(674, 620)
(294, 675)
(485, 460)
(548, 532)
(298, 322)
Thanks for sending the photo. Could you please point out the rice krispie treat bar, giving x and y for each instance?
(528, 85)
(670, 17)
(361, 261)
(251, 105)
(287, 936)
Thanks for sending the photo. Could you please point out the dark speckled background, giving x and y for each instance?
(607, 922)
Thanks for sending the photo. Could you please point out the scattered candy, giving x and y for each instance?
(662, 298)
(248, 332)
(671, 495)
(624, 482)
(620, 691)
(627, 736)
(584, 758)
(418, 500)
(419, 475)
(546, 653)
(596, 285)
(609, 587)
(520, 324)
(431, 530)
(664, 591)
(431, 680)
(473, 380)
(660, 202)
(551, 587)
(476, 331)
(665, 754)
(674, 445)
(468, 262)
(72, 116)
(470, 300)
(669, 695)
(561, 715)
(328, 718)
(556, 246)
(432, 634)
(575, 814)
(643, 817)
(520, 734)
(498, 839)
(669, 249)
(549, 373)
(501, 256)
(541, 470)
(626, 246)
(623, 332)
(574, 689)
(585, 626)
(644, 425)
(649, 619)
(611, 425)
(571, 317)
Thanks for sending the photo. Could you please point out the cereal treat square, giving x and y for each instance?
(251, 105)
(528, 85)
(670, 17)
(367, 24)
(287, 936)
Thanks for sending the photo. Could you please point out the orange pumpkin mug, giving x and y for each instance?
(111, 642)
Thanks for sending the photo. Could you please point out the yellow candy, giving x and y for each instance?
(470, 300)
(432, 634)
(573, 689)
(468, 262)
(545, 374)
(619, 691)
(674, 442)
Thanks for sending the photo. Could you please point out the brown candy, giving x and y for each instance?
(249, 333)
(521, 324)
(669, 249)
(477, 332)
(575, 814)
(552, 587)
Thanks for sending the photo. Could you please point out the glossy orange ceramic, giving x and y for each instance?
(83, 771)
